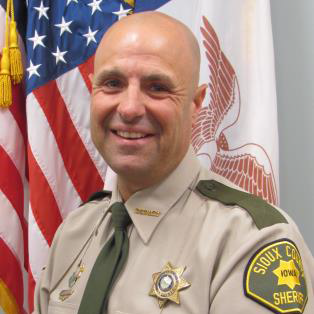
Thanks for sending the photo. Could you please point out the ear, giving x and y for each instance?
(198, 99)
(199, 96)
(91, 76)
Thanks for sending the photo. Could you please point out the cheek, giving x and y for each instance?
(98, 114)
(94, 124)
(173, 123)
(166, 117)
(99, 109)
(184, 126)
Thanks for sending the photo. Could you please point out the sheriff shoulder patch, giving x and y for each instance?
(274, 277)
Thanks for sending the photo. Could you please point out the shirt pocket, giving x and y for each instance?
(61, 308)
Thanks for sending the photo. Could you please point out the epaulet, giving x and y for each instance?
(262, 213)
(97, 195)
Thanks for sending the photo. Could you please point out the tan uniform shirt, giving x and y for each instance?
(172, 222)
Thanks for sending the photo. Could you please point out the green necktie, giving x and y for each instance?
(108, 264)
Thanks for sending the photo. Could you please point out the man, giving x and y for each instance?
(196, 245)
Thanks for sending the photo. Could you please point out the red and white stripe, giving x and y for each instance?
(13, 199)
(64, 167)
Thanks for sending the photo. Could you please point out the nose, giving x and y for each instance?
(131, 107)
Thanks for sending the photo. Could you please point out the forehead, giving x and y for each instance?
(136, 64)
(139, 50)
(143, 44)
(146, 62)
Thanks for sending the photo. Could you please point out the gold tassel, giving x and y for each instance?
(16, 65)
(5, 80)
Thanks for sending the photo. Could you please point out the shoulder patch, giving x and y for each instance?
(262, 213)
(274, 277)
(97, 196)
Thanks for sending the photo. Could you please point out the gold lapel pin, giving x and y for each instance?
(167, 284)
(147, 212)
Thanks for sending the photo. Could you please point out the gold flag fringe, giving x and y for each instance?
(16, 65)
(11, 66)
(5, 80)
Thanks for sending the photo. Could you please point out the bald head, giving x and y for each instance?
(145, 98)
(157, 32)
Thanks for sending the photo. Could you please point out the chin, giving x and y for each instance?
(129, 169)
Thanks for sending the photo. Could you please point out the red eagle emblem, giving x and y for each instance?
(214, 121)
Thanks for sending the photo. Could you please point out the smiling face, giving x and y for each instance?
(144, 99)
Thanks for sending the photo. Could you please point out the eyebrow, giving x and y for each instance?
(151, 77)
(159, 77)
(106, 74)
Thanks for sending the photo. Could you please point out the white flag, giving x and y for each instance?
(236, 133)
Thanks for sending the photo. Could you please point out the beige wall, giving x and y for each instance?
(293, 32)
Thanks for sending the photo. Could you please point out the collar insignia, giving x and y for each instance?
(147, 212)
(167, 284)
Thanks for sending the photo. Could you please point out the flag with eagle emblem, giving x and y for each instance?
(235, 133)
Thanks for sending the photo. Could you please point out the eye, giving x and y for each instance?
(158, 87)
(113, 83)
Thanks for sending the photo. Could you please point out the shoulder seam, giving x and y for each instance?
(262, 213)
(97, 196)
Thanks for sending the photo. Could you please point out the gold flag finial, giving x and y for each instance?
(130, 2)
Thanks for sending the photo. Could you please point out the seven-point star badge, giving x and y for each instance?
(167, 284)
(287, 274)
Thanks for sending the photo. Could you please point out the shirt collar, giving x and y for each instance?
(148, 207)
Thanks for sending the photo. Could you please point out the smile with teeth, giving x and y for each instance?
(130, 135)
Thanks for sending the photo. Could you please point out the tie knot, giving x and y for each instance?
(120, 216)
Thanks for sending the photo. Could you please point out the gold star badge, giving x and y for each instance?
(287, 274)
(167, 284)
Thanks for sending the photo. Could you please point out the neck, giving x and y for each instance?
(132, 183)
(128, 187)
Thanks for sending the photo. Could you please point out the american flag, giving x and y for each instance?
(55, 144)
(64, 167)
